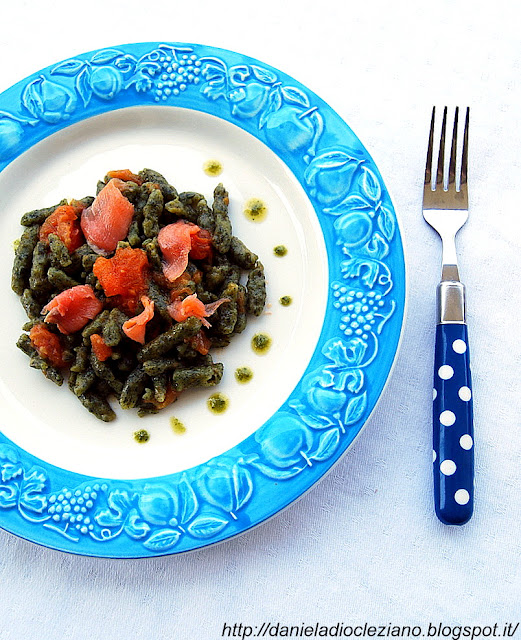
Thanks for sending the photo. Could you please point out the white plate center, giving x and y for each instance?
(48, 421)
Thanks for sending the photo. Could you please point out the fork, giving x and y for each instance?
(445, 208)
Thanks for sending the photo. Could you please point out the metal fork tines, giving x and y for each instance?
(445, 203)
(445, 207)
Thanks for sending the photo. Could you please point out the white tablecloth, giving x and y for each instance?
(364, 545)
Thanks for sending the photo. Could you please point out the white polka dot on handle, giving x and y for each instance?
(434, 455)
(448, 467)
(459, 346)
(466, 442)
(445, 372)
(465, 394)
(447, 418)
(462, 496)
(434, 394)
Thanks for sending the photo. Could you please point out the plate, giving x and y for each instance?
(71, 483)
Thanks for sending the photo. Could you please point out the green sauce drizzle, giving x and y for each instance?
(255, 210)
(141, 436)
(260, 343)
(285, 301)
(218, 403)
(212, 167)
(280, 250)
(243, 374)
(177, 426)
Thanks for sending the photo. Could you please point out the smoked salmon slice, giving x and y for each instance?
(108, 219)
(180, 240)
(71, 309)
(191, 306)
(135, 327)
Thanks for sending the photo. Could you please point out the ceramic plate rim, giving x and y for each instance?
(356, 350)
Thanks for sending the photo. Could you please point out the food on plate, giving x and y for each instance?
(255, 210)
(212, 167)
(260, 343)
(177, 426)
(128, 292)
(141, 436)
(217, 403)
(108, 218)
(280, 250)
(243, 374)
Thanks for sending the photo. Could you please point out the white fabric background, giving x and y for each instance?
(364, 545)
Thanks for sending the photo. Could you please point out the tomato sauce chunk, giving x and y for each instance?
(126, 175)
(48, 345)
(64, 222)
(124, 275)
(101, 349)
(201, 245)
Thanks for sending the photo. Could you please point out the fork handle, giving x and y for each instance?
(453, 434)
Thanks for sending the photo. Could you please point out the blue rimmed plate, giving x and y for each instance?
(71, 483)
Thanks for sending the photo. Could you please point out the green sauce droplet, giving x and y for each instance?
(255, 210)
(218, 403)
(243, 374)
(212, 167)
(177, 426)
(141, 436)
(285, 301)
(280, 250)
(260, 343)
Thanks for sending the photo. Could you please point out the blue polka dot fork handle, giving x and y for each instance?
(445, 208)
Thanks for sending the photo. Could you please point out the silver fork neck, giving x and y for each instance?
(451, 291)
(450, 272)
(449, 257)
